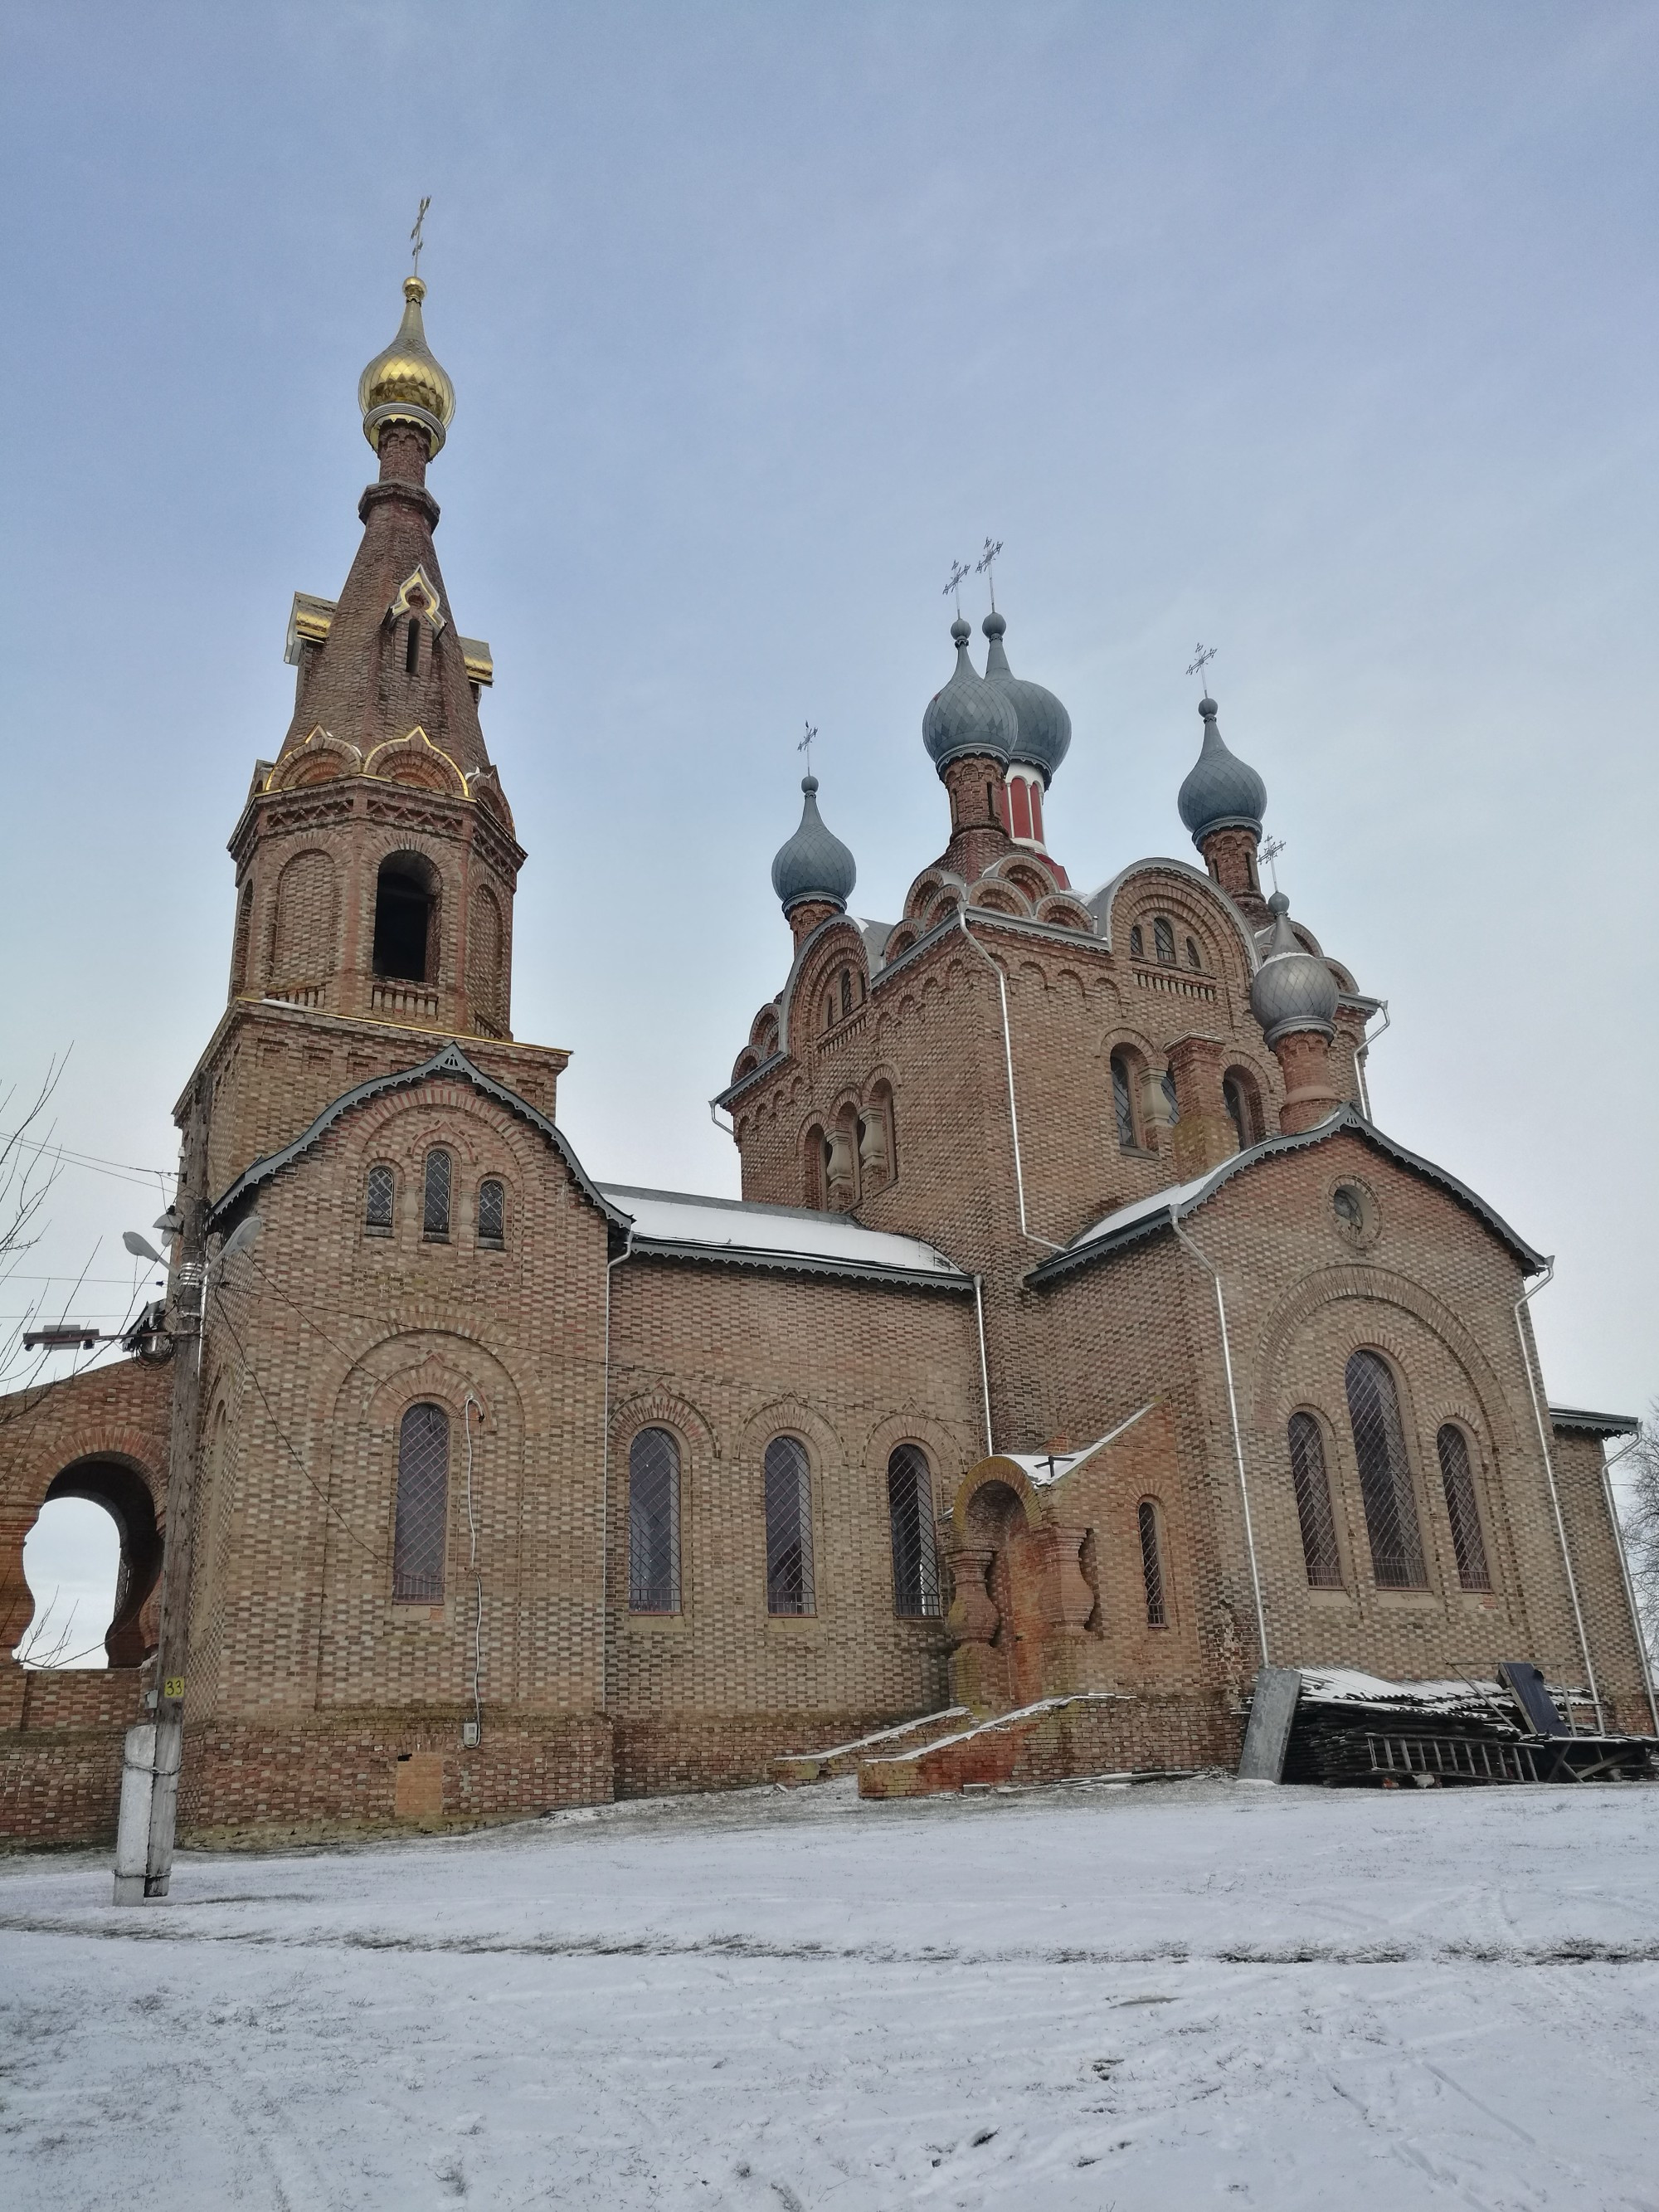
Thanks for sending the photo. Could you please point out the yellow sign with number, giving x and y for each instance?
(174, 1687)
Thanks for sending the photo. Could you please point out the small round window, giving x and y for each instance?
(1356, 1212)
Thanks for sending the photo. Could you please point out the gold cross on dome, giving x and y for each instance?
(415, 237)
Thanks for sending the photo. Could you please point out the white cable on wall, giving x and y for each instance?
(467, 1404)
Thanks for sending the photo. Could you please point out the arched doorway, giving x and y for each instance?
(1021, 1602)
(125, 1495)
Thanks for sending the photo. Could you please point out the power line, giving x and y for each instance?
(125, 1170)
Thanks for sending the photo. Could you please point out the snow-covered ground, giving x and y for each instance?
(1184, 1994)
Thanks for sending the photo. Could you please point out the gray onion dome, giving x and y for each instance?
(814, 864)
(967, 716)
(1045, 728)
(1292, 989)
(1220, 792)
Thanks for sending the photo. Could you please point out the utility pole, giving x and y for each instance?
(149, 1778)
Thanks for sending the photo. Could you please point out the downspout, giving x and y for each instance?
(1364, 1054)
(1607, 1465)
(1555, 1501)
(611, 1267)
(1238, 1440)
(985, 1378)
(1031, 1237)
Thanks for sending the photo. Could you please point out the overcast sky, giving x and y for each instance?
(1325, 334)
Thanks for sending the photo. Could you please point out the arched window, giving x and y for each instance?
(814, 1165)
(654, 1522)
(438, 1182)
(492, 1215)
(1313, 1503)
(1385, 1479)
(788, 1527)
(910, 1511)
(1152, 1565)
(1243, 1104)
(829, 1010)
(483, 957)
(1458, 1476)
(1166, 1084)
(412, 646)
(422, 1523)
(406, 893)
(1137, 944)
(303, 928)
(1123, 1101)
(846, 992)
(239, 943)
(1192, 958)
(1163, 939)
(379, 1194)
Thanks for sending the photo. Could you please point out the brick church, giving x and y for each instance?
(1078, 1334)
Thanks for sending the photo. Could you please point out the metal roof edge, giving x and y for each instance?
(1593, 1424)
(452, 1061)
(1347, 1117)
(798, 1263)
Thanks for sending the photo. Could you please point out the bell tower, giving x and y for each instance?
(376, 861)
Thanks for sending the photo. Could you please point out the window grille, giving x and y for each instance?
(1192, 958)
(1385, 1480)
(788, 1527)
(654, 1522)
(492, 1214)
(378, 1199)
(435, 1218)
(1123, 1103)
(1136, 942)
(846, 992)
(1152, 1565)
(1313, 1503)
(417, 1544)
(1163, 939)
(910, 1509)
(1457, 1475)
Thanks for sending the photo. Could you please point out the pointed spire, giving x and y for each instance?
(813, 866)
(967, 716)
(1221, 791)
(1044, 727)
(1292, 989)
(404, 382)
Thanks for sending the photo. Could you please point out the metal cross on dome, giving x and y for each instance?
(1202, 654)
(415, 237)
(1270, 850)
(953, 584)
(985, 564)
(805, 745)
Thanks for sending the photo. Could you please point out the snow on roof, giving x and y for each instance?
(673, 1224)
(1346, 1685)
(1044, 1467)
(1144, 1216)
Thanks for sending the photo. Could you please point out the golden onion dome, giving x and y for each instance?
(406, 384)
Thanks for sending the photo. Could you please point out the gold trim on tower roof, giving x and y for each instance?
(310, 620)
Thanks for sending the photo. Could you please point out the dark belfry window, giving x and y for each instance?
(1123, 1100)
(1163, 939)
(492, 1214)
(412, 649)
(910, 1510)
(417, 1544)
(1313, 1503)
(1458, 1477)
(403, 918)
(378, 1199)
(654, 1522)
(1152, 1565)
(1233, 1099)
(846, 990)
(1385, 1480)
(435, 1214)
(788, 1527)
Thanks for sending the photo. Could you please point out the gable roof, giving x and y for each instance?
(451, 1061)
(1146, 1217)
(671, 1224)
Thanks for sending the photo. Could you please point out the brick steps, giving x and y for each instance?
(1056, 1739)
(794, 1768)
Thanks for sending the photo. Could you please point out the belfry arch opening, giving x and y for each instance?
(405, 908)
(96, 1571)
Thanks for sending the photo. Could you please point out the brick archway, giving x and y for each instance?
(120, 1488)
